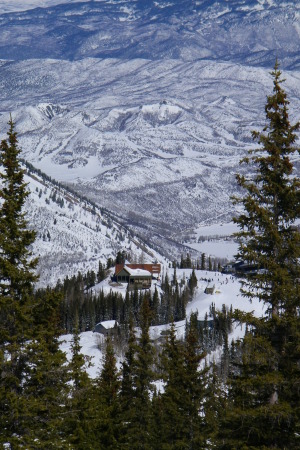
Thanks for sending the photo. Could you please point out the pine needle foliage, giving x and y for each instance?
(181, 406)
(268, 238)
(16, 288)
(264, 395)
(16, 263)
(107, 390)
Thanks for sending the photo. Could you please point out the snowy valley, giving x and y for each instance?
(150, 116)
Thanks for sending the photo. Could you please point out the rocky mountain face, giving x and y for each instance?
(146, 107)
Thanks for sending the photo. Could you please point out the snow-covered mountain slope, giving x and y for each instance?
(156, 142)
(72, 234)
(7, 6)
(146, 107)
(252, 31)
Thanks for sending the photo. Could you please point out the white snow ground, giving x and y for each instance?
(216, 240)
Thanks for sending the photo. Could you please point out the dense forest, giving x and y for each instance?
(162, 395)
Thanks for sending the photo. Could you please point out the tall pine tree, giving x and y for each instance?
(81, 419)
(264, 396)
(137, 385)
(108, 386)
(32, 373)
(182, 424)
(45, 386)
(16, 288)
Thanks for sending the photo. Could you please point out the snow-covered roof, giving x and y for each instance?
(137, 272)
(108, 324)
(154, 269)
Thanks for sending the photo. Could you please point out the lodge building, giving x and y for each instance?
(137, 275)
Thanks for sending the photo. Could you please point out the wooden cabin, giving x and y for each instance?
(106, 327)
(135, 277)
(154, 269)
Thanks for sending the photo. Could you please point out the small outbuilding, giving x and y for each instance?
(210, 289)
(106, 327)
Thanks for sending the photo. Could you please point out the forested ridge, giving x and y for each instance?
(162, 395)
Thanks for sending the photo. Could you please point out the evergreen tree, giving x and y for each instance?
(174, 280)
(45, 381)
(155, 303)
(214, 406)
(171, 427)
(101, 274)
(33, 381)
(188, 261)
(16, 264)
(203, 261)
(128, 370)
(16, 288)
(121, 257)
(182, 403)
(108, 386)
(264, 400)
(137, 386)
(195, 386)
(82, 414)
(193, 282)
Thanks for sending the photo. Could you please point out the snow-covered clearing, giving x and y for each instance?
(216, 240)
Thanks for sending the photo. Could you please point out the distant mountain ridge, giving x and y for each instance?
(241, 31)
(147, 107)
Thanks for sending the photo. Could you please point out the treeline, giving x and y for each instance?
(86, 309)
(154, 401)
(204, 262)
(157, 399)
(79, 300)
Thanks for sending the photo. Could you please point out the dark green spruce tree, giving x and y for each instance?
(32, 375)
(45, 384)
(264, 396)
(81, 415)
(127, 382)
(107, 391)
(137, 385)
(170, 429)
(181, 416)
(16, 288)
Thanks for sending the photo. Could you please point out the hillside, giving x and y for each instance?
(146, 107)
(72, 234)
